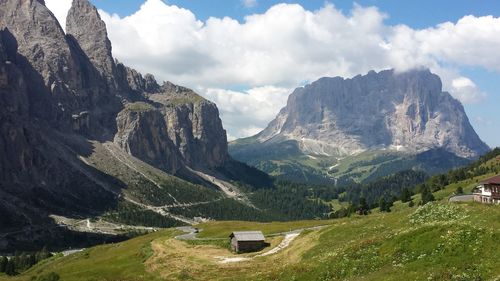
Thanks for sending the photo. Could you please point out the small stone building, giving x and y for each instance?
(247, 241)
(488, 192)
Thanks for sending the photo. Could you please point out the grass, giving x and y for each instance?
(139, 107)
(220, 243)
(120, 261)
(438, 241)
(222, 229)
(184, 98)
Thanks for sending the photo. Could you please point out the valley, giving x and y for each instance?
(440, 240)
(107, 173)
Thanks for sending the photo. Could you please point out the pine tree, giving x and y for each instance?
(3, 263)
(10, 268)
(427, 196)
(363, 207)
(382, 204)
(405, 195)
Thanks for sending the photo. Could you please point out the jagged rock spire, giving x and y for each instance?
(86, 26)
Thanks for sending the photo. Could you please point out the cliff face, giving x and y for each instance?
(194, 126)
(386, 110)
(84, 24)
(142, 132)
(63, 94)
(79, 87)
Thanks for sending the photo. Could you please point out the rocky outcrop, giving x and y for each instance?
(190, 126)
(386, 110)
(142, 132)
(60, 78)
(134, 81)
(193, 125)
(84, 24)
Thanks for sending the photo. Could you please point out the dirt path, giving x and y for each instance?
(230, 190)
(191, 233)
(285, 243)
(98, 226)
(462, 198)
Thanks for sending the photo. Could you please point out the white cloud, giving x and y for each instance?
(287, 45)
(247, 113)
(467, 91)
(60, 9)
(249, 3)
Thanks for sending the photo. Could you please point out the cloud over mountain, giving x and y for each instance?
(288, 45)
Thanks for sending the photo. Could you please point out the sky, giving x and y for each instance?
(247, 56)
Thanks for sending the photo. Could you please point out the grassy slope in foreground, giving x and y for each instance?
(439, 241)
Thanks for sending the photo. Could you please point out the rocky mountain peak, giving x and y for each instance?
(386, 110)
(89, 30)
(40, 38)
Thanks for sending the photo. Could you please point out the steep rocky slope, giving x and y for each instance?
(336, 118)
(82, 133)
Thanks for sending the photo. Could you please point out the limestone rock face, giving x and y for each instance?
(134, 81)
(40, 39)
(193, 125)
(142, 132)
(385, 110)
(85, 25)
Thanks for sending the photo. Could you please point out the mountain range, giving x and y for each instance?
(82, 134)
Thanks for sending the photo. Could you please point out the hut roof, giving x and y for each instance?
(493, 180)
(248, 235)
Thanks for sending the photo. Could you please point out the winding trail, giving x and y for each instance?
(461, 198)
(230, 190)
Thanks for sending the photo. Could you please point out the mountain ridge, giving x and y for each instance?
(82, 134)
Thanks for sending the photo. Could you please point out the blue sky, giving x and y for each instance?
(417, 15)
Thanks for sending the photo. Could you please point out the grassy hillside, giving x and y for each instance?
(286, 161)
(437, 241)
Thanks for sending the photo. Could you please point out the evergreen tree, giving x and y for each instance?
(3, 263)
(459, 190)
(41, 255)
(10, 268)
(427, 196)
(363, 207)
(382, 204)
(405, 195)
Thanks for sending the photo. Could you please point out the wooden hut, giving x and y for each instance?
(247, 241)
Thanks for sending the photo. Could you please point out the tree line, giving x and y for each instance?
(22, 261)
(403, 185)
